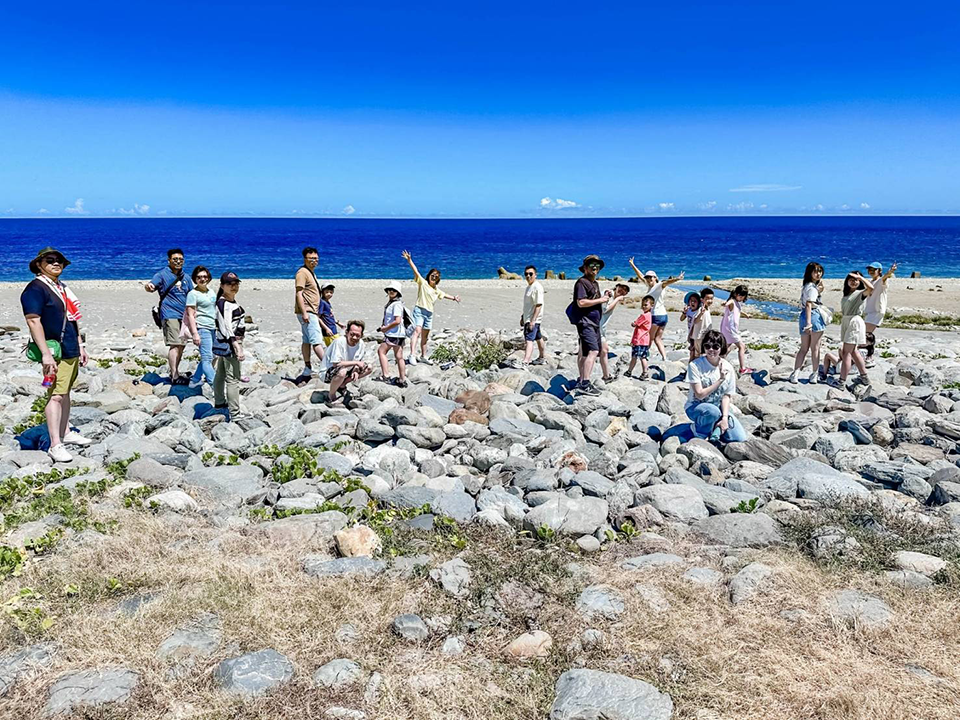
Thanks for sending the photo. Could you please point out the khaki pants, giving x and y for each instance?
(226, 384)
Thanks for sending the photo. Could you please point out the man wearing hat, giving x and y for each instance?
(52, 312)
(587, 302)
(875, 306)
(306, 307)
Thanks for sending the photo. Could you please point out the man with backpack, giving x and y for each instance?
(585, 312)
(173, 286)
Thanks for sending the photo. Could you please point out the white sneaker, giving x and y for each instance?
(814, 377)
(795, 377)
(426, 361)
(411, 360)
(74, 438)
(58, 453)
(195, 385)
(306, 372)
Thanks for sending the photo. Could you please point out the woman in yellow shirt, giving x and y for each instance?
(428, 292)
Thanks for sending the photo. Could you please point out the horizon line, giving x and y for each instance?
(481, 217)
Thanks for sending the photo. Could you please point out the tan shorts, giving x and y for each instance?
(67, 371)
(171, 333)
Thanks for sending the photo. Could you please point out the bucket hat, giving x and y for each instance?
(589, 259)
(35, 263)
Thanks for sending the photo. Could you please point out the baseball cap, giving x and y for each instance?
(229, 277)
(650, 273)
(875, 266)
(328, 286)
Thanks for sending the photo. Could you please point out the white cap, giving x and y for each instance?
(393, 285)
(650, 273)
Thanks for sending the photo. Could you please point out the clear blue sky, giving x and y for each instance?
(490, 109)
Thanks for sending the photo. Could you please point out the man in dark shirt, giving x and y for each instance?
(587, 301)
(173, 285)
(47, 307)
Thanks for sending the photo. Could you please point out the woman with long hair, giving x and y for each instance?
(811, 322)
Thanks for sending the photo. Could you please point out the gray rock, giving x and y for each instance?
(498, 499)
(228, 484)
(320, 566)
(424, 437)
(456, 505)
(568, 516)
(746, 583)
(945, 492)
(149, 472)
(409, 496)
(679, 502)
(759, 450)
(908, 579)
(90, 689)
(595, 695)
(701, 451)
(370, 430)
(740, 530)
(316, 529)
(454, 577)
(338, 674)
(16, 663)
(411, 627)
(703, 576)
(600, 600)
(812, 479)
(442, 406)
(652, 560)
(593, 483)
(197, 639)
(253, 673)
(335, 461)
(829, 444)
(859, 609)
(289, 433)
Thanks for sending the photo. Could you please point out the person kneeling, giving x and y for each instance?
(344, 361)
(712, 385)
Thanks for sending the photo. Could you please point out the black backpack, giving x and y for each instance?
(156, 311)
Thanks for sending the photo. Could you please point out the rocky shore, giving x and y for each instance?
(481, 543)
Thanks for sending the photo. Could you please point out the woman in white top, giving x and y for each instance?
(201, 320)
(811, 322)
(658, 320)
(875, 306)
(394, 335)
(712, 386)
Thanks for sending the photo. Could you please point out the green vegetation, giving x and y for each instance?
(763, 346)
(134, 499)
(746, 506)
(211, 459)
(118, 468)
(302, 463)
(955, 385)
(935, 322)
(25, 612)
(45, 543)
(37, 418)
(476, 353)
(11, 561)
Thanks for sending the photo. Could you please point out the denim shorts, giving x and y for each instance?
(660, 320)
(641, 352)
(310, 331)
(816, 319)
(534, 334)
(422, 318)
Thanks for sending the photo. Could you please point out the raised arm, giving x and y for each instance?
(868, 286)
(890, 272)
(635, 271)
(409, 259)
(671, 280)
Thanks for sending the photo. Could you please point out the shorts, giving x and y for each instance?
(853, 331)
(422, 318)
(310, 331)
(816, 320)
(171, 333)
(351, 374)
(328, 340)
(534, 334)
(659, 320)
(67, 371)
(873, 319)
(641, 352)
(394, 341)
(589, 338)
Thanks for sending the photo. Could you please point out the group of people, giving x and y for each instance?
(188, 309)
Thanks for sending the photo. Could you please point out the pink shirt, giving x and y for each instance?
(730, 324)
(641, 334)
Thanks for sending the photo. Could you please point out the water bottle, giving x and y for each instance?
(49, 380)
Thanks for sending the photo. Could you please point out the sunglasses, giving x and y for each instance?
(594, 265)
(203, 277)
(711, 346)
(528, 274)
(53, 260)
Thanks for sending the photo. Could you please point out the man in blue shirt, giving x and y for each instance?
(172, 285)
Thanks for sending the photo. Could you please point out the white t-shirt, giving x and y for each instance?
(659, 308)
(702, 372)
(809, 294)
(340, 351)
(531, 298)
(702, 325)
(877, 302)
(390, 313)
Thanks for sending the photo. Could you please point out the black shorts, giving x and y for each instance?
(589, 338)
(394, 341)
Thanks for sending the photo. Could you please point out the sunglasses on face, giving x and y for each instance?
(711, 346)
(202, 277)
(528, 274)
(52, 260)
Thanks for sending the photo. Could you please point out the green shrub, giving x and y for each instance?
(474, 353)
(11, 561)
(37, 418)
(746, 506)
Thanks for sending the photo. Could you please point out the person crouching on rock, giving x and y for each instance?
(712, 386)
(394, 335)
(344, 361)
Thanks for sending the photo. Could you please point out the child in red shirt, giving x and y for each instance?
(640, 342)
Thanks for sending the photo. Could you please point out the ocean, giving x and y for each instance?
(721, 247)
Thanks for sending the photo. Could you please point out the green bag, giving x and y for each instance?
(34, 354)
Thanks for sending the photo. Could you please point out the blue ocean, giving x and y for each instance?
(721, 247)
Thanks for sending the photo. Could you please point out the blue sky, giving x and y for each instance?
(432, 109)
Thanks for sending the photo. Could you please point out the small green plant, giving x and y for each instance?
(113, 586)
(211, 459)
(45, 543)
(260, 514)
(36, 418)
(11, 562)
(887, 354)
(746, 506)
(474, 353)
(546, 534)
(25, 612)
(763, 346)
(447, 533)
(628, 530)
(952, 385)
(302, 463)
(354, 483)
(118, 468)
(134, 499)
(326, 506)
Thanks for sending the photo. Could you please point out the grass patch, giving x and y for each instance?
(37, 416)
(916, 320)
(763, 346)
(476, 353)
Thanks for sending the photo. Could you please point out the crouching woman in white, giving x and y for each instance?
(712, 385)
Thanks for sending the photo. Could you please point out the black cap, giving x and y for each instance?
(229, 277)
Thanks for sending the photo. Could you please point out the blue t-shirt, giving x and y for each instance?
(38, 299)
(175, 302)
(327, 320)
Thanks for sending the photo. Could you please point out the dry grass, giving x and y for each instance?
(716, 660)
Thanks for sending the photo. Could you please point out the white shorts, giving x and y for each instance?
(873, 319)
(853, 331)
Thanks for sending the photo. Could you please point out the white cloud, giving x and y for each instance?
(740, 207)
(844, 207)
(8, 211)
(864, 206)
(558, 204)
(43, 211)
(77, 208)
(348, 210)
(666, 207)
(712, 205)
(137, 209)
(818, 207)
(765, 187)
(763, 206)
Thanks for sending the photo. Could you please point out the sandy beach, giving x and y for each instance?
(486, 304)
